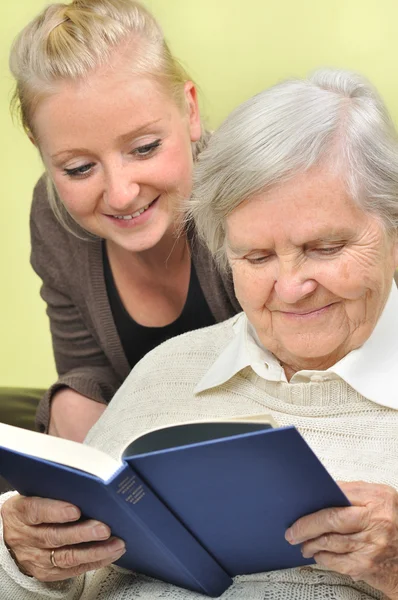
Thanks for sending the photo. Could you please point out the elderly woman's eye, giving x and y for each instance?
(257, 260)
(329, 250)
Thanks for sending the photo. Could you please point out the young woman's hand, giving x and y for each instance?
(48, 542)
(360, 541)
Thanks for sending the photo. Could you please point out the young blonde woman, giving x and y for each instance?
(116, 121)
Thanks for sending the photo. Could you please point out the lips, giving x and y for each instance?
(303, 313)
(135, 214)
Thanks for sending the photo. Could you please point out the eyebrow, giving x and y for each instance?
(339, 236)
(125, 137)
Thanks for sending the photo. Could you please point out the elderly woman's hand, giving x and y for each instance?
(48, 542)
(360, 541)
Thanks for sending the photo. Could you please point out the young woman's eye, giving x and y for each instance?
(81, 171)
(146, 149)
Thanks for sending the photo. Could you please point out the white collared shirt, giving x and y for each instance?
(371, 370)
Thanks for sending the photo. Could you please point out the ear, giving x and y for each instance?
(193, 111)
(32, 139)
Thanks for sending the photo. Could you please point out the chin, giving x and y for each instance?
(136, 247)
(139, 241)
(311, 350)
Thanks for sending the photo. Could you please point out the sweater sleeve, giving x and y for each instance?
(80, 361)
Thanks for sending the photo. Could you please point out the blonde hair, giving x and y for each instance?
(69, 41)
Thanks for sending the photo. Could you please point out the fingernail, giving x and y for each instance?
(72, 513)
(289, 536)
(101, 532)
(117, 546)
(116, 555)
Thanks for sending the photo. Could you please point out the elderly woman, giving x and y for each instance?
(297, 193)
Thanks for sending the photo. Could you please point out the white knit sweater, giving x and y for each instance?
(355, 438)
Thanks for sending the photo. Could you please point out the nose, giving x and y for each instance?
(120, 188)
(293, 283)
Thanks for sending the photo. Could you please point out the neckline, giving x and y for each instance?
(109, 280)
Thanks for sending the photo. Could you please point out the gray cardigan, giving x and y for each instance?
(88, 353)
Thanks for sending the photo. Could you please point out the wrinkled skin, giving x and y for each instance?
(360, 541)
(312, 270)
(35, 526)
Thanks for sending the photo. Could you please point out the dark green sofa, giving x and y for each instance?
(18, 407)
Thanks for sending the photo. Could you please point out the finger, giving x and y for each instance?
(81, 569)
(332, 542)
(56, 536)
(84, 554)
(34, 511)
(32, 556)
(46, 574)
(346, 520)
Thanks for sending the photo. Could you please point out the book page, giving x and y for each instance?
(183, 434)
(58, 450)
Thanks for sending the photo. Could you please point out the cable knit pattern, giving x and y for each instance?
(355, 439)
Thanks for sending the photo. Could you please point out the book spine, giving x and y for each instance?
(157, 542)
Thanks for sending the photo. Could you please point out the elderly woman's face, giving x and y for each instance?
(312, 271)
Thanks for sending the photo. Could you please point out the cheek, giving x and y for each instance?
(175, 172)
(251, 288)
(78, 197)
(347, 279)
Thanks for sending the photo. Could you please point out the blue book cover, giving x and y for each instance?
(238, 495)
(157, 544)
(196, 503)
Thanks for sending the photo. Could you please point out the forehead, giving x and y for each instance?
(108, 102)
(315, 204)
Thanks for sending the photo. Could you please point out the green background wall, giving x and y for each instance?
(232, 48)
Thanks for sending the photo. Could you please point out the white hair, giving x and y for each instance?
(334, 117)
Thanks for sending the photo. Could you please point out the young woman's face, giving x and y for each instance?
(118, 149)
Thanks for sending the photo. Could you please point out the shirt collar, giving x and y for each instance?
(370, 370)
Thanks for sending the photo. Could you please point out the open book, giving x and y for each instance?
(196, 503)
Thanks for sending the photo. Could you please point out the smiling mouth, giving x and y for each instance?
(308, 312)
(135, 214)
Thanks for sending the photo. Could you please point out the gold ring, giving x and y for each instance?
(53, 561)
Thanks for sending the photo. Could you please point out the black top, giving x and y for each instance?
(137, 339)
